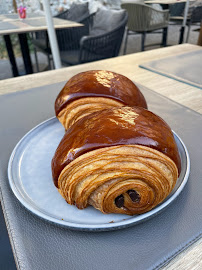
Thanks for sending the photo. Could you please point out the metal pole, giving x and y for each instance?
(184, 22)
(52, 34)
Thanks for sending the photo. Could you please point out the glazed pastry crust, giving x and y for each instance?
(79, 95)
(119, 160)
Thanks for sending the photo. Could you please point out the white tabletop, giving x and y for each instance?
(10, 23)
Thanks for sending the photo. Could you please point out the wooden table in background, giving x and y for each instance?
(128, 65)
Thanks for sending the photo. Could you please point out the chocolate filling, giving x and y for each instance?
(119, 201)
(135, 197)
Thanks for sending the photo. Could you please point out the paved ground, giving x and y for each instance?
(5, 68)
(134, 44)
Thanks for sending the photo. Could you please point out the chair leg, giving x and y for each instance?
(164, 37)
(35, 54)
(188, 32)
(49, 61)
(143, 40)
(36, 59)
(125, 44)
(53, 64)
(199, 41)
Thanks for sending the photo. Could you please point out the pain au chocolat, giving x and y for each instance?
(95, 90)
(119, 160)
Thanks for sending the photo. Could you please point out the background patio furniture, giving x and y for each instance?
(102, 41)
(31, 24)
(193, 17)
(69, 39)
(196, 18)
(176, 12)
(143, 19)
(179, 12)
(66, 37)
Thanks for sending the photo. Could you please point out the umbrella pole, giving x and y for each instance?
(181, 39)
(52, 34)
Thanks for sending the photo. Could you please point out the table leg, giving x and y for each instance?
(25, 53)
(11, 55)
(181, 35)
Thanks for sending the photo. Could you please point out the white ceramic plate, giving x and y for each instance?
(30, 178)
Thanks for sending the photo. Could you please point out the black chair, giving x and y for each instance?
(41, 43)
(99, 43)
(177, 16)
(195, 18)
(67, 38)
(176, 13)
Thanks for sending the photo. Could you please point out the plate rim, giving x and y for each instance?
(93, 227)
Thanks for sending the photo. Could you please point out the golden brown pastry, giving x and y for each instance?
(95, 90)
(119, 160)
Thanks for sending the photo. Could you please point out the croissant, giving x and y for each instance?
(95, 90)
(119, 160)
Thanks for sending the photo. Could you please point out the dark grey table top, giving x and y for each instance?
(37, 244)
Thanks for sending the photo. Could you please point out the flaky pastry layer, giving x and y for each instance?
(84, 106)
(126, 179)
